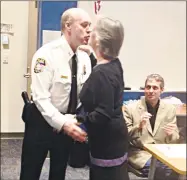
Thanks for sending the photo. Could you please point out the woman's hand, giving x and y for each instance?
(86, 48)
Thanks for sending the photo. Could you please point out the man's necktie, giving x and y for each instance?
(73, 94)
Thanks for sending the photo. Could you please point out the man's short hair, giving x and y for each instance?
(157, 77)
(66, 17)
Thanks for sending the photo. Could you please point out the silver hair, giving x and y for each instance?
(157, 77)
(66, 17)
(110, 34)
(70, 15)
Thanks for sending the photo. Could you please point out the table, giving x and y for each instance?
(177, 162)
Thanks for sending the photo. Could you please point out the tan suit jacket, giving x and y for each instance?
(132, 113)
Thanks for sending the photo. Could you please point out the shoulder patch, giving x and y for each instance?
(39, 66)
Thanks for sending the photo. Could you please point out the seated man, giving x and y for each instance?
(150, 120)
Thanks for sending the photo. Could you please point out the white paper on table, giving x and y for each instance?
(49, 36)
(176, 151)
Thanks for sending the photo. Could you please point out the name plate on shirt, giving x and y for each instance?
(64, 77)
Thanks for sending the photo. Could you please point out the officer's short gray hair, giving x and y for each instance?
(71, 15)
(157, 78)
(67, 16)
(110, 34)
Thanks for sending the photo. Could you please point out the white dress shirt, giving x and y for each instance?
(51, 79)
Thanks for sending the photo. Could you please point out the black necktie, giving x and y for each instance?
(73, 94)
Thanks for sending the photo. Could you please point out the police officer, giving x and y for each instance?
(52, 126)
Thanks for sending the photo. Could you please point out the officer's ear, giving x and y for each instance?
(68, 25)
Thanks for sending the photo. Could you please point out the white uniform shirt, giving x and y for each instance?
(51, 79)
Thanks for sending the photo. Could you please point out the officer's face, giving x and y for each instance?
(81, 28)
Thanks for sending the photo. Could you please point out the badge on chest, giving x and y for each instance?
(84, 70)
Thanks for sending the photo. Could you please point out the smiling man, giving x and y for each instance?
(150, 120)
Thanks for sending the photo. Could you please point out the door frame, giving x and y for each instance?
(32, 38)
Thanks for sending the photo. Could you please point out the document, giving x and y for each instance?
(49, 36)
(173, 151)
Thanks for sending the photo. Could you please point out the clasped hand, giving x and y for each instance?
(144, 118)
(72, 129)
(169, 128)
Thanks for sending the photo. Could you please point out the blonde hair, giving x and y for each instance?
(71, 15)
(67, 16)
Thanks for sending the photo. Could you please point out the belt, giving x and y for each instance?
(108, 162)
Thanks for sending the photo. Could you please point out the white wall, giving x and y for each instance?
(155, 39)
(12, 80)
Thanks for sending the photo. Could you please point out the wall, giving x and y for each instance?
(155, 39)
(12, 80)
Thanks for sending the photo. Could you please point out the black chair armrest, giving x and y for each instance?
(135, 171)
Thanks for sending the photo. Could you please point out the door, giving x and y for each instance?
(32, 39)
(12, 70)
(43, 15)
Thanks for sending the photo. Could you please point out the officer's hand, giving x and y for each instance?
(70, 118)
(86, 48)
(74, 131)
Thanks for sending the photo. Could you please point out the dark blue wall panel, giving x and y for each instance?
(135, 95)
(50, 14)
